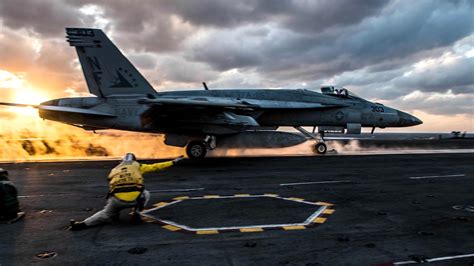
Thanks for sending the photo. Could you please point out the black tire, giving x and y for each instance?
(196, 150)
(320, 148)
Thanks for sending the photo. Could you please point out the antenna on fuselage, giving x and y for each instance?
(205, 86)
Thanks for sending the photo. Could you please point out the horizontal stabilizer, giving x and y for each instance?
(63, 109)
(73, 110)
(19, 105)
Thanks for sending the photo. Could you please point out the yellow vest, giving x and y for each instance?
(126, 181)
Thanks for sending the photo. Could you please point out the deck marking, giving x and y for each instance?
(323, 203)
(318, 217)
(181, 198)
(316, 182)
(160, 204)
(296, 199)
(212, 196)
(207, 232)
(294, 227)
(435, 259)
(270, 195)
(251, 230)
(436, 176)
(171, 227)
(319, 220)
(328, 211)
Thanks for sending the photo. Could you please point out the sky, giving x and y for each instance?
(417, 56)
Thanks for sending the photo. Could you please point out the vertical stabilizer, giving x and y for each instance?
(106, 70)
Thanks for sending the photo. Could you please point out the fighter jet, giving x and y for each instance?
(197, 119)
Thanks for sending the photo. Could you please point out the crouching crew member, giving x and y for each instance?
(9, 205)
(126, 190)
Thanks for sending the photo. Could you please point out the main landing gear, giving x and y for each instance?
(320, 147)
(198, 149)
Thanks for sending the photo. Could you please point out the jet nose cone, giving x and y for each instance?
(417, 121)
(407, 120)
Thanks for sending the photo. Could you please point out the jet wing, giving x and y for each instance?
(210, 102)
(221, 102)
(217, 114)
(63, 109)
(269, 104)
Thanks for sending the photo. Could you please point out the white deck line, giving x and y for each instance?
(176, 190)
(436, 176)
(47, 195)
(315, 182)
(436, 259)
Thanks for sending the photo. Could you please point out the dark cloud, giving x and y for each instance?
(165, 26)
(293, 14)
(45, 17)
(316, 16)
(227, 52)
(370, 45)
(16, 51)
(177, 69)
(143, 61)
(457, 76)
(449, 72)
(439, 104)
(401, 30)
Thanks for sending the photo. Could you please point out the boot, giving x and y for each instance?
(136, 219)
(76, 226)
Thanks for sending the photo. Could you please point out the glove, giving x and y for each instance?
(177, 160)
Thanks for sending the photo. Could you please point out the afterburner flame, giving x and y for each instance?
(28, 96)
(26, 138)
(18, 90)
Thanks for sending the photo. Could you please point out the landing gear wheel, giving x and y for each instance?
(320, 148)
(196, 150)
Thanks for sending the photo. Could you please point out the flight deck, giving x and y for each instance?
(314, 210)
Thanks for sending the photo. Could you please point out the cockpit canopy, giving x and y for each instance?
(338, 91)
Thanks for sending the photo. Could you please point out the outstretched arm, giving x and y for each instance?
(147, 168)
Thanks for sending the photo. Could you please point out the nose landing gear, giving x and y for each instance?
(320, 147)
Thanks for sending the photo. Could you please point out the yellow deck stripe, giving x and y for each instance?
(319, 220)
(160, 204)
(324, 203)
(211, 196)
(242, 195)
(147, 219)
(296, 199)
(270, 195)
(294, 227)
(249, 230)
(207, 232)
(181, 198)
(329, 211)
(171, 227)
